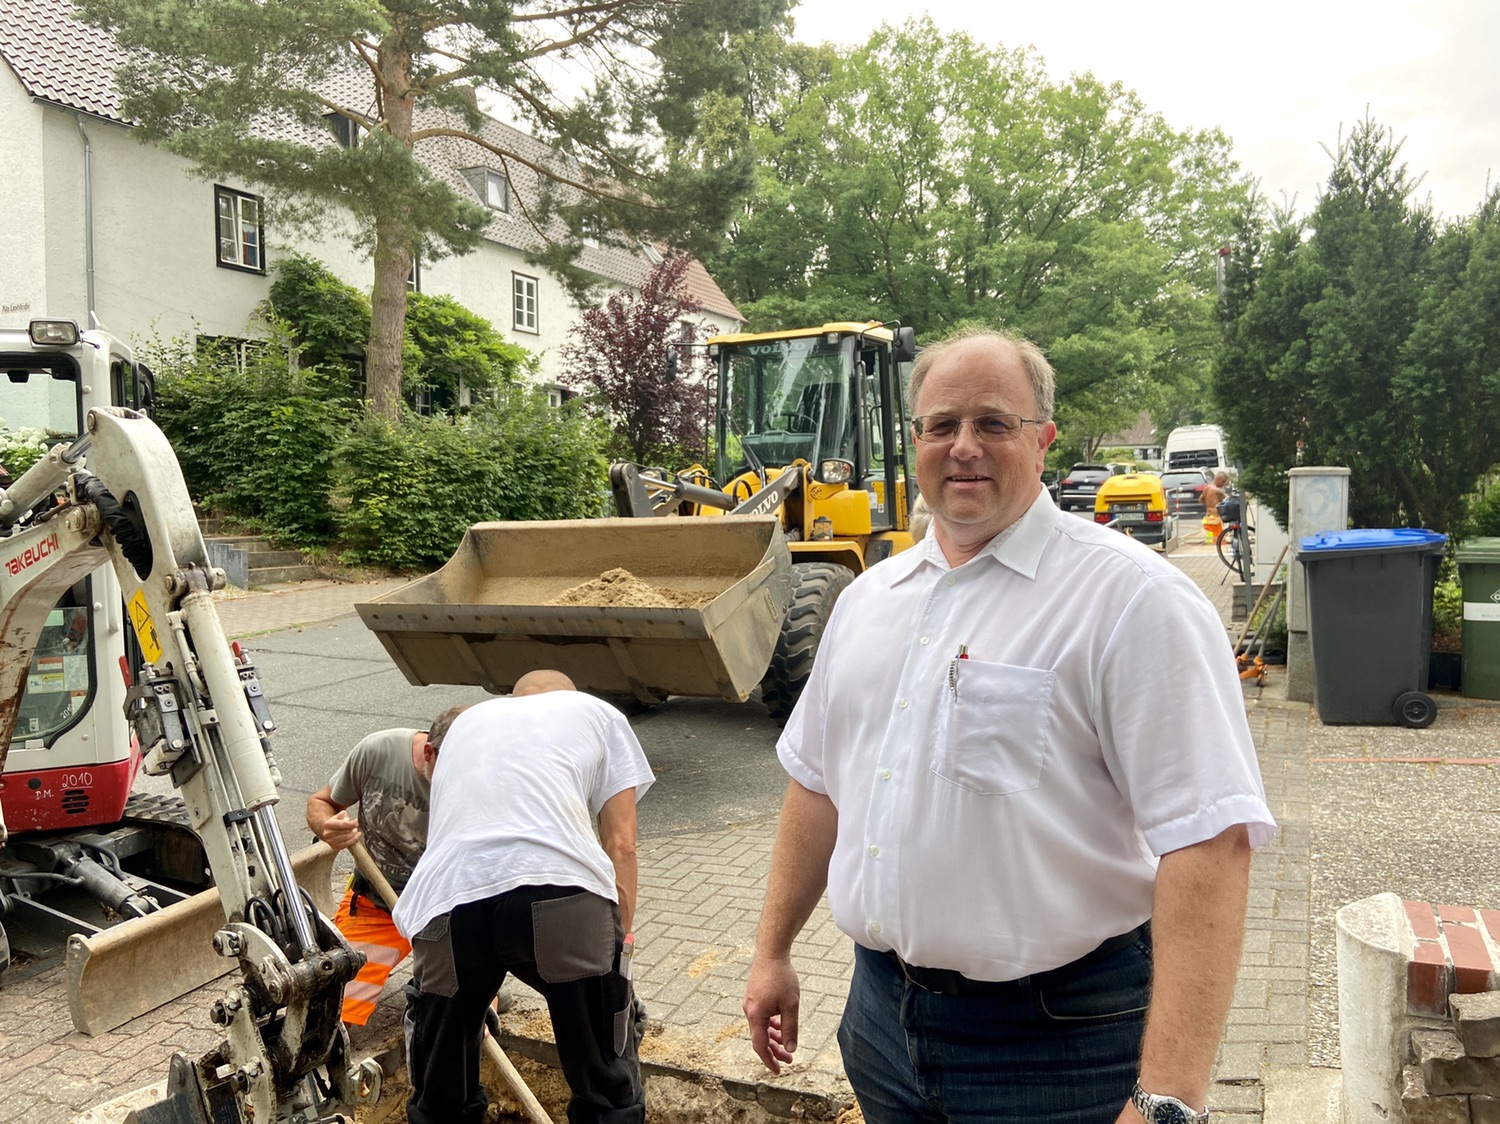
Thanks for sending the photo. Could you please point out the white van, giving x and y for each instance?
(1195, 446)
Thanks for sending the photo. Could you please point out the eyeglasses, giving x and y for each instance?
(991, 429)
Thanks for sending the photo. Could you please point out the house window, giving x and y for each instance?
(231, 351)
(590, 230)
(241, 236)
(346, 130)
(492, 188)
(496, 191)
(653, 255)
(525, 303)
(414, 278)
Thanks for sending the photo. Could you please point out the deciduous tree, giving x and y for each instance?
(927, 177)
(618, 353)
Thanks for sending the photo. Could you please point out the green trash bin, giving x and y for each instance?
(1479, 574)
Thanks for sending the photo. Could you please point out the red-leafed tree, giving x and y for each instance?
(618, 357)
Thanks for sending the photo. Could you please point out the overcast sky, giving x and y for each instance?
(1279, 77)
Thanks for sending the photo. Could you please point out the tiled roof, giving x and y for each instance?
(60, 60)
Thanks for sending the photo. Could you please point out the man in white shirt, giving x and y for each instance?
(514, 881)
(1022, 770)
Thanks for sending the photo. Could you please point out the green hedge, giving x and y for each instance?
(405, 494)
(255, 444)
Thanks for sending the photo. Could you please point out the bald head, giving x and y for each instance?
(539, 682)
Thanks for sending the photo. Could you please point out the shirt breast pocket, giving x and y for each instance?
(995, 728)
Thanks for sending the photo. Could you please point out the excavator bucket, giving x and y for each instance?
(697, 612)
(138, 965)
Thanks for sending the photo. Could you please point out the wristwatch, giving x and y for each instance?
(1159, 1109)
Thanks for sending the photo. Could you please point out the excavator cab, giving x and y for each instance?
(70, 763)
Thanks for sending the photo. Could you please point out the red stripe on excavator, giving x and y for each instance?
(73, 797)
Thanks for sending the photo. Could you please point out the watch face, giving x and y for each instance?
(1169, 1113)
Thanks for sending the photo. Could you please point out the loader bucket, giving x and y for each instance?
(484, 618)
(138, 965)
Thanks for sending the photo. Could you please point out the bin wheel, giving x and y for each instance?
(1415, 709)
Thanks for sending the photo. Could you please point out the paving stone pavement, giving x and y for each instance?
(1354, 804)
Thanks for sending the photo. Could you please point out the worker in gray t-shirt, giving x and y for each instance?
(388, 775)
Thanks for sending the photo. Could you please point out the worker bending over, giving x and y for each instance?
(514, 881)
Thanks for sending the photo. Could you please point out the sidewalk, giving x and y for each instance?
(1361, 809)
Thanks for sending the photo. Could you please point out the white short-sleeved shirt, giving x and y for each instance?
(1002, 814)
(518, 784)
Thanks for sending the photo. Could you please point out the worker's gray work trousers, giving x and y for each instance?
(564, 942)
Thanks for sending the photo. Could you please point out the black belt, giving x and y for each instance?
(945, 981)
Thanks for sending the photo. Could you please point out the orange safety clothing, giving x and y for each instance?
(369, 928)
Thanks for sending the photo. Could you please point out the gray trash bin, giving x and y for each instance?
(1369, 618)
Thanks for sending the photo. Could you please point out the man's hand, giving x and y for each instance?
(340, 831)
(772, 999)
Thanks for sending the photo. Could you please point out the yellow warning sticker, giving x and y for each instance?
(145, 627)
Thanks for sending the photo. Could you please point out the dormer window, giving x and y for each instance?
(496, 191)
(346, 130)
(492, 188)
(653, 255)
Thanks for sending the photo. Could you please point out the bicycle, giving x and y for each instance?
(1236, 540)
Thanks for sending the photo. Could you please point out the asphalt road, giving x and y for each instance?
(331, 684)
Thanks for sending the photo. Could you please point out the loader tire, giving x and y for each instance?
(815, 588)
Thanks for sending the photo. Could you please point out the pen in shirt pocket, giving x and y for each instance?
(963, 654)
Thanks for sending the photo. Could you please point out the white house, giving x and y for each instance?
(94, 223)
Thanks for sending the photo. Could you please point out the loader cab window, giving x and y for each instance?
(60, 681)
(782, 401)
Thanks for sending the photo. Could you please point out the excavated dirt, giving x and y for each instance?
(620, 588)
(669, 1100)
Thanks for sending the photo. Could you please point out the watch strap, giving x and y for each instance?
(1157, 1108)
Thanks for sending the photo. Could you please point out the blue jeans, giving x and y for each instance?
(1059, 1047)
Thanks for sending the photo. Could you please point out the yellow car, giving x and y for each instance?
(1134, 503)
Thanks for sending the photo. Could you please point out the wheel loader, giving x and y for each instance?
(113, 664)
(810, 483)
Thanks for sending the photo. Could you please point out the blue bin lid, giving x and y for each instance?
(1387, 538)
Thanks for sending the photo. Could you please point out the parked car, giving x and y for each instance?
(1052, 481)
(1184, 489)
(1081, 485)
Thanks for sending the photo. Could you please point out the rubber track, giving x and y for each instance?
(815, 588)
(146, 807)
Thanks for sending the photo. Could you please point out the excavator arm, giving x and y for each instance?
(197, 709)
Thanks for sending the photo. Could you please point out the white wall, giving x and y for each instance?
(23, 279)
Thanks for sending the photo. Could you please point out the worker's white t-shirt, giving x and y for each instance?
(1001, 814)
(518, 784)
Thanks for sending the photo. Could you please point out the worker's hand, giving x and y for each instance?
(341, 830)
(772, 999)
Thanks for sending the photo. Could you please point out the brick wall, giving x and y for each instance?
(1453, 1075)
